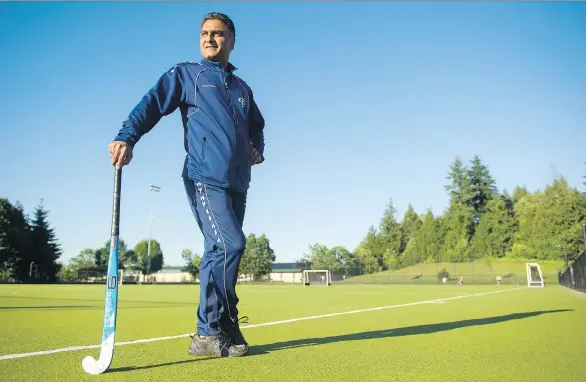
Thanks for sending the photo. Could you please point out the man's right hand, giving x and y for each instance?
(121, 153)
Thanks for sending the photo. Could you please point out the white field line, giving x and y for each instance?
(435, 301)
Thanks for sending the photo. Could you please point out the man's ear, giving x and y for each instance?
(232, 42)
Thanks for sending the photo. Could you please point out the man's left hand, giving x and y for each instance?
(255, 156)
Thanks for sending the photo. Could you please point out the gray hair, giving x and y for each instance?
(223, 18)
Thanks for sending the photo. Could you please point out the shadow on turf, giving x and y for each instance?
(101, 300)
(135, 368)
(62, 307)
(398, 332)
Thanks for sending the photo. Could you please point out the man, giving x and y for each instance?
(223, 138)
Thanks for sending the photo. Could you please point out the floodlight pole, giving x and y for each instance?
(153, 188)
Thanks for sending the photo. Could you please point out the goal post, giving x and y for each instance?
(534, 275)
(322, 277)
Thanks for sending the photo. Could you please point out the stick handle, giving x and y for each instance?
(116, 202)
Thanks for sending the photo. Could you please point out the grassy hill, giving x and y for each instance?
(478, 272)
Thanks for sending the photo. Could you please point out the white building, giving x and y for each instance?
(287, 272)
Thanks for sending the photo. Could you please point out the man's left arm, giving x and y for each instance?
(256, 131)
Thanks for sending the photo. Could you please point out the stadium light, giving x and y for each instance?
(153, 188)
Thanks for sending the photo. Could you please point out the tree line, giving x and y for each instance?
(28, 245)
(94, 262)
(256, 261)
(480, 222)
(29, 252)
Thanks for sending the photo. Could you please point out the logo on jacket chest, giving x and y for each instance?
(242, 101)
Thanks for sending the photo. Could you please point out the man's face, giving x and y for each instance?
(215, 41)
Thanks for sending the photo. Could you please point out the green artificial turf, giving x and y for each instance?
(518, 335)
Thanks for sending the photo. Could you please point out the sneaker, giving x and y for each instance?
(211, 346)
(233, 332)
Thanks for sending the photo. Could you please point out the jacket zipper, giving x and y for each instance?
(235, 123)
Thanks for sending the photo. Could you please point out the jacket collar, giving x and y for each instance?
(217, 65)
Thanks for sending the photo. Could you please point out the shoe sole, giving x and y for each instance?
(215, 354)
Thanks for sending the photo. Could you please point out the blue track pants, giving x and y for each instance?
(220, 215)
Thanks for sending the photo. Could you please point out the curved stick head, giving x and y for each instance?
(92, 366)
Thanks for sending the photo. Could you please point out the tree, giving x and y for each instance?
(84, 260)
(258, 257)
(411, 255)
(129, 259)
(518, 193)
(192, 262)
(456, 222)
(348, 261)
(525, 209)
(152, 264)
(427, 239)
(409, 228)
(559, 215)
(369, 252)
(126, 257)
(479, 222)
(496, 231)
(45, 248)
(15, 248)
(321, 257)
(410, 225)
(459, 189)
(482, 189)
(390, 238)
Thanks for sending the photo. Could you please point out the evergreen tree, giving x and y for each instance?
(482, 189)
(456, 223)
(558, 220)
(508, 201)
(391, 236)
(496, 230)
(525, 209)
(459, 188)
(427, 242)
(410, 226)
(45, 248)
(15, 248)
(370, 251)
(518, 193)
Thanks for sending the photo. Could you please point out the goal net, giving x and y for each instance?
(317, 277)
(534, 275)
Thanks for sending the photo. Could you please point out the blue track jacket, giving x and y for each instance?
(220, 121)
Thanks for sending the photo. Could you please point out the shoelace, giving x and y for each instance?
(243, 320)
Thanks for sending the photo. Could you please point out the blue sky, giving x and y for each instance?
(363, 102)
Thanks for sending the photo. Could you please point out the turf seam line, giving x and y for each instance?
(146, 340)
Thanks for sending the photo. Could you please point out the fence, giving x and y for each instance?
(574, 276)
(479, 272)
(468, 279)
